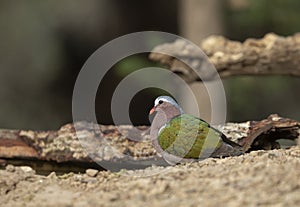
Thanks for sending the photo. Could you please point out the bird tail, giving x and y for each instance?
(227, 150)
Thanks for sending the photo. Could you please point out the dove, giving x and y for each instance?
(180, 137)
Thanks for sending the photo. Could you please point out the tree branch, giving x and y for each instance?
(271, 55)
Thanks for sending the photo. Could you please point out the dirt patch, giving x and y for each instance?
(267, 178)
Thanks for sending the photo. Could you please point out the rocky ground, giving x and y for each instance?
(266, 178)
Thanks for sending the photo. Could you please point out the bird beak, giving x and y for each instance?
(152, 110)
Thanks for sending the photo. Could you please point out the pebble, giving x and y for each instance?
(52, 175)
(26, 169)
(91, 172)
(10, 168)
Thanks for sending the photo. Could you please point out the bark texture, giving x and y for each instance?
(271, 55)
(126, 145)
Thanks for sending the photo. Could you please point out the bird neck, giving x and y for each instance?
(162, 117)
(171, 112)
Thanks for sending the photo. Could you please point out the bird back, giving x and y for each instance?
(187, 136)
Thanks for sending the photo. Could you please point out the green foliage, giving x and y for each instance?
(133, 63)
(261, 16)
(254, 98)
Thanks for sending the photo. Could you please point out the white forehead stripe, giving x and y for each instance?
(167, 99)
(156, 102)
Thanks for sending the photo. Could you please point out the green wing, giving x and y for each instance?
(189, 137)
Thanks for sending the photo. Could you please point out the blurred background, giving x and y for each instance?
(45, 43)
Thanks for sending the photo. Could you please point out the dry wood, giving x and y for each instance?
(271, 55)
(63, 146)
(264, 134)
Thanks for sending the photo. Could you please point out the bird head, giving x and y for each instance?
(166, 104)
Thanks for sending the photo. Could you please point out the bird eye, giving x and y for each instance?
(160, 102)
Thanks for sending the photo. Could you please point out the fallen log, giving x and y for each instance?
(132, 144)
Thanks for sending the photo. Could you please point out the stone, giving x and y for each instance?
(91, 172)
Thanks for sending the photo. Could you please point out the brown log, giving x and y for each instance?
(63, 145)
(264, 134)
(271, 55)
(12, 146)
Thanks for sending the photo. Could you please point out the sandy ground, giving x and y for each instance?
(260, 178)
